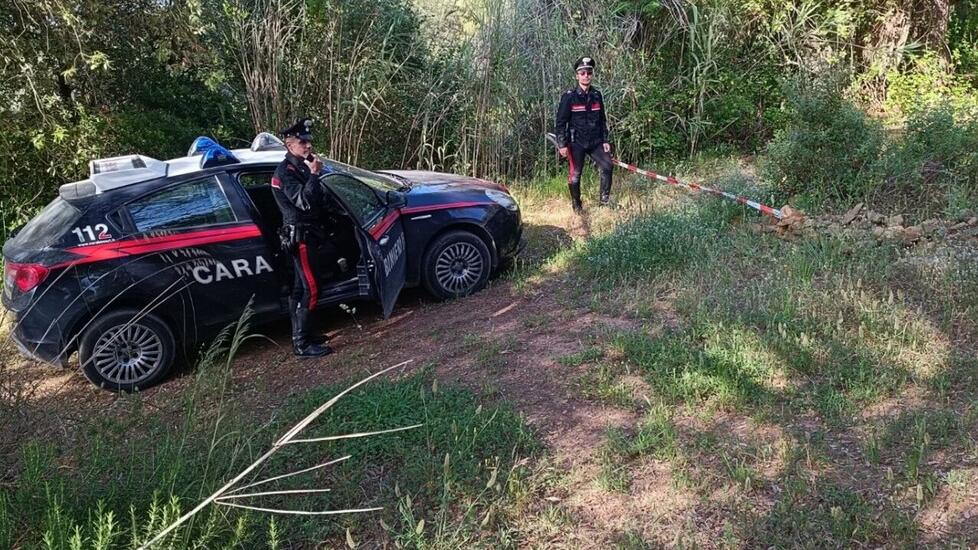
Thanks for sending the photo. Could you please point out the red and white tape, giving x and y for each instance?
(701, 188)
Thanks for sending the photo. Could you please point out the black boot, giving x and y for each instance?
(605, 188)
(575, 193)
(301, 345)
(312, 339)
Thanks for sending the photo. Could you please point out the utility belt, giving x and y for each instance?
(291, 235)
(584, 139)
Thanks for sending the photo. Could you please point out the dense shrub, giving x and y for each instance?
(829, 149)
(927, 83)
(933, 166)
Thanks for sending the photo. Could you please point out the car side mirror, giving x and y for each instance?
(395, 199)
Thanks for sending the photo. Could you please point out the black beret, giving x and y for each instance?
(584, 63)
(302, 129)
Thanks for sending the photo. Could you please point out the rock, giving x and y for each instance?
(973, 221)
(874, 217)
(912, 234)
(893, 233)
(878, 232)
(851, 214)
(930, 226)
(791, 218)
(895, 221)
(959, 226)
(968, 233)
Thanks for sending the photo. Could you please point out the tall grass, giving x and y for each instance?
(131, 474)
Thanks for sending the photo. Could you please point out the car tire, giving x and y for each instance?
(456, 264)
(126, 350)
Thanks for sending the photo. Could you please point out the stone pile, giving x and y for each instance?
(863, 224)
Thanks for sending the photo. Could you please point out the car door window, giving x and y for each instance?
(191, 204)
(360, 199)
(249, 180)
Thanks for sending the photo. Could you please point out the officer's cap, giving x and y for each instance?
(302, 129)
(584, 63)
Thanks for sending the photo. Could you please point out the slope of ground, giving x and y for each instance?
(697, 383)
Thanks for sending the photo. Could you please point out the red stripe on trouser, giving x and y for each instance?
(307, 273)
(570, 159)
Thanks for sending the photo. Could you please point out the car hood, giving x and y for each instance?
(434, 182)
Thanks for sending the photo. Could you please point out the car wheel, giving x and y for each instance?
(126, 350)
(457, 264)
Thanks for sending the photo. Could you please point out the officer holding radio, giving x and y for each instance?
(299, 195)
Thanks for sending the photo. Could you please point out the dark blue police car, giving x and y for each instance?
(145, 257)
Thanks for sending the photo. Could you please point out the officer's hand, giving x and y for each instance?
(607, 147)
(563, 151)
(315, 166)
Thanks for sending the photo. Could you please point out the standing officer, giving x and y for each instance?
(299, 196)
(582, 129)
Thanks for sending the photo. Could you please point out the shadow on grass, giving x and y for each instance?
(809, 342)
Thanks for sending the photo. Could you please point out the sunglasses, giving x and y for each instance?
(583, 72)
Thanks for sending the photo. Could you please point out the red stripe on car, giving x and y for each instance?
(384, 224)
(378, 230)
(159, 243)
(446, 206)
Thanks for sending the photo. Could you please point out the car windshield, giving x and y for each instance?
(380, 182)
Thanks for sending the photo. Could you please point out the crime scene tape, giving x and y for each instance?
(701, 188)
(776, 213)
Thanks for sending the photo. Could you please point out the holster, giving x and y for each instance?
(289, 237)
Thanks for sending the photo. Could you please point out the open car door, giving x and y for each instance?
(381, 236)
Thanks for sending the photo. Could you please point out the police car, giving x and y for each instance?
(145, 257)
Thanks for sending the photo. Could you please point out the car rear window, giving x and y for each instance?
(192, 204)
(47, 227)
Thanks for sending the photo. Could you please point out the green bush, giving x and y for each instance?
(933, 167)
(829, 149)
(926, 83)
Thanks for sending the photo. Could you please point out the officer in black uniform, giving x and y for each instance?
(582, 129)
(296, 188)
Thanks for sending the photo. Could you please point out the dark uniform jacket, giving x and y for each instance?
(297, 192)
(581, 119)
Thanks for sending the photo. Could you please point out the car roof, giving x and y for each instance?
(122, 172)
(188, 165)
(113, 173)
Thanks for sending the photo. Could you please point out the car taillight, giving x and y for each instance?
(25, 277)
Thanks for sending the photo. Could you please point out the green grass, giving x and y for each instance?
(655, 438)
(653, 244)
(133, 474)
(765, 321)
(587, 355)
(808, 339)
(830, 515)
(604, 384)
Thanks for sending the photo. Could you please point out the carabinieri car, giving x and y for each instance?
(144, 258)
